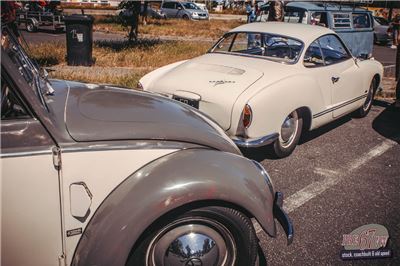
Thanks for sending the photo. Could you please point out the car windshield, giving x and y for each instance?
(263, 45)
(190, 6)
(381, 21)
(27, 68)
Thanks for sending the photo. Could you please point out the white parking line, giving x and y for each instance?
(311, 191)
(378, 150)
(387, 66)
(332, 178)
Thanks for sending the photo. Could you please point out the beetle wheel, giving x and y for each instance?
(204, 236)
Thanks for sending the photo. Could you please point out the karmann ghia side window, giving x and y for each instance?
(333, 49)
(313, 56)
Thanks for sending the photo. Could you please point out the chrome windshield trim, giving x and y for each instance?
(211, 50)
(255, 143)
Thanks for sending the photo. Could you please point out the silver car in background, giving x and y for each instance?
(382, 31)
(185, 10)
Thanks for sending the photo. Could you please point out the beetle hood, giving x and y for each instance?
(102, 113)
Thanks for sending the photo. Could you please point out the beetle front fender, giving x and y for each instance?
(183, 177)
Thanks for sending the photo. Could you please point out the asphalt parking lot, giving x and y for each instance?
(342, 176)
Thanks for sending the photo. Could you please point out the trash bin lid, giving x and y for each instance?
(78, 18)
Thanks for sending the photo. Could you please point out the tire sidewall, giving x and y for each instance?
(281, 151)
(361, 112)
(30, 27)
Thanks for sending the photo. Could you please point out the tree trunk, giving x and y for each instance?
(398, 73)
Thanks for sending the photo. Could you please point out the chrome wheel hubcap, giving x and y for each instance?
(289, 129)
(368, 101)
(189, 242)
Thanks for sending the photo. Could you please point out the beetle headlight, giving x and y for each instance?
(195, 14)
(264, 173)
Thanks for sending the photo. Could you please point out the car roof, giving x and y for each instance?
(324, 6)
(304, 32)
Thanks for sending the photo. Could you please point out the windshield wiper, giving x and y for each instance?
(27, 67)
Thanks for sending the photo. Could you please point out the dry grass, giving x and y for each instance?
(122, 77)
(171, 27)
(144, 53)
(112, 56)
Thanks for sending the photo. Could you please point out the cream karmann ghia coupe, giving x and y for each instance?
(265, 83)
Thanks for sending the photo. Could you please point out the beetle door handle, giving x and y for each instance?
(335, 79)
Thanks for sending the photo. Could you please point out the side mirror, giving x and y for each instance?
(365, 56)
(179, 8)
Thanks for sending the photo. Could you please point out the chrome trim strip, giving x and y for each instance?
(255, 143)
(128, 145)
(264, 173)
(25, 153)
(339, 106)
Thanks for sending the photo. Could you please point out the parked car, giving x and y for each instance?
(36, 17)
(202, 6)
(151, 12)
(184, 10)
(266, 83)
(354, 25)
(101, 175)
(382, 31)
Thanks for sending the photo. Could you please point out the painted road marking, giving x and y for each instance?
(311, 191)
(332, 177)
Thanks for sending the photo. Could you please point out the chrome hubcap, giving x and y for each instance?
(192, 243)
(289, 129)
(368, 101)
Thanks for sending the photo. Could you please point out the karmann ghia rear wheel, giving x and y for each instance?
(204, 236)
(289, 135)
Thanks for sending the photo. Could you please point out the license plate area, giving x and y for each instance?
(191, 102)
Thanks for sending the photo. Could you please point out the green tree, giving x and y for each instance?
(131, 17)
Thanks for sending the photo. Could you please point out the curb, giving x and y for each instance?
(389, 71)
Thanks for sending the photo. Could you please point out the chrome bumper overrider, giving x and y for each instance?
(282, 217)
(255, 143)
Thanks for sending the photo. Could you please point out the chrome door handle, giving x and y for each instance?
(335, 79)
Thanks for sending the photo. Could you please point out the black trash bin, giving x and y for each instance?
(79, 31)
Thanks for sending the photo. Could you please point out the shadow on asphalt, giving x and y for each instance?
(387, 123)
(262, 153)
(48, 31)
(259, 154)
(119, 45)
(310, 135)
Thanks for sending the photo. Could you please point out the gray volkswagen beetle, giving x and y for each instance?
(100, 175)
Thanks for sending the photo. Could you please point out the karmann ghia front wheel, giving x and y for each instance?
(204, 236)
(289, 135)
